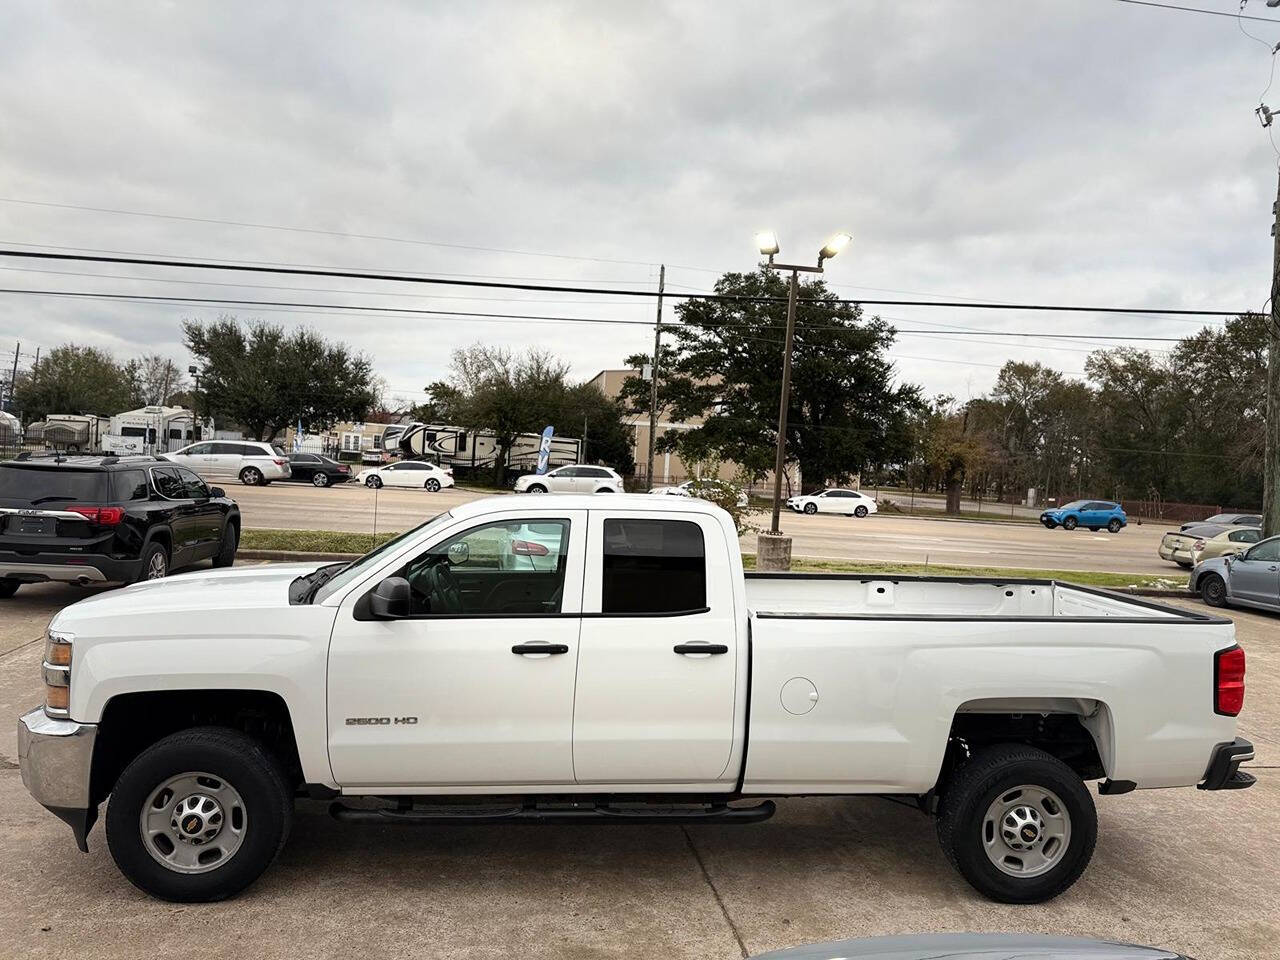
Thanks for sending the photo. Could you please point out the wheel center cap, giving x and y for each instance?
(1022, 827)
(197, 819)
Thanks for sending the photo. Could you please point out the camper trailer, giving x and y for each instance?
(154, 430)
(457, 447)
(10, 430)
(70, 432)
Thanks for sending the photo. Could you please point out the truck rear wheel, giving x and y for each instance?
(199, 815)
(1018, 824)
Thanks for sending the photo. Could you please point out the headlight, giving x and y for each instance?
(57, 673)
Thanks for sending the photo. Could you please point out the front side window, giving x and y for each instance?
(1267, 552)
(199, 450)
(193, 488)
(506, 568)
(653, 567)
(168, 483)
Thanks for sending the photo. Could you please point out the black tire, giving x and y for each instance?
(859, 512)
(990, 775)
(155, 556)
(433, 485)
(1184, 564)
(1213, 590)
(1093, 529)
(1113, 526)
(1070, 523)
(230, 756)
(320, 480)
(811, 508)
(536, 488)
(8, 588)
(251, 477)
(605, 490)
(1049, 524)
(373, 483)
(226, 554)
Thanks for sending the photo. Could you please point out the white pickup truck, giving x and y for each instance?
(587, 660)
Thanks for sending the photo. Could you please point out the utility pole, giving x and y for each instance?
(13, 378)
(1271, 467)
(653, 385)
(780, 457)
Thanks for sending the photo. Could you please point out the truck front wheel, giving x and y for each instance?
(199, 815)
(1018, 824)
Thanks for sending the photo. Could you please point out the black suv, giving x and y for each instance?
(86, 520)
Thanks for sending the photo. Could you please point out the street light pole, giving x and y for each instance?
(773, 550)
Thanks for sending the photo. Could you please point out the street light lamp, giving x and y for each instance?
(774, 550)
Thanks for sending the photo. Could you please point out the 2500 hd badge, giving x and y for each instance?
(378, 721)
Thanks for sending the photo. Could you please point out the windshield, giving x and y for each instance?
(1073, 505)
(357, 568)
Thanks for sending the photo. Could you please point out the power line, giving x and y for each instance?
(1212, 13)
(550, 288)
(368, 308)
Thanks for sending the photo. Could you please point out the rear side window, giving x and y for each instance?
(653, 567)
(32, 486)
(129, 485)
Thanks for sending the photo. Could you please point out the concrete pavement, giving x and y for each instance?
(882, 537)
(1194, 871)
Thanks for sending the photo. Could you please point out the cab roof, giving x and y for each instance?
(501, 503)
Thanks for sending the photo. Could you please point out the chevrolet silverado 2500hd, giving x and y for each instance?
(579, 659)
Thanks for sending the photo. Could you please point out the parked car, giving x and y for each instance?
(1232, 541)
(686, 490)
(971, 946)
(93, 519)
(577, 478)
(407, 473)
(1222, 521)
(253, 462)
(1250, 579)
(834, 500)
(1178, 545)
(386, 679)
(317, 470)
(1094, 514)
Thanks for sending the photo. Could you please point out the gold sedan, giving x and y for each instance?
(1228, 543)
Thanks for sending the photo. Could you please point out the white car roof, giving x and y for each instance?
(501, 503)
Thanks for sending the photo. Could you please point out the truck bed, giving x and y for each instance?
(862, 596)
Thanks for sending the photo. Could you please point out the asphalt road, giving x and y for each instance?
(1197, 872)
(882, 537)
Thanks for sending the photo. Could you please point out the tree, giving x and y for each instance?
(949, 448)
(73, 379)
(264, 378)
(154, 380)
(845, 411)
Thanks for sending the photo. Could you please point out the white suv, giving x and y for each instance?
(253, 462)
(574, 479)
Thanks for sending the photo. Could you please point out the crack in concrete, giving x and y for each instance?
(21, 646)
(724, 911)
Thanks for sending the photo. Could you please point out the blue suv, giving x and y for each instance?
(1094, 514)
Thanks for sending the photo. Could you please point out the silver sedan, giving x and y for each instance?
(1248, 579)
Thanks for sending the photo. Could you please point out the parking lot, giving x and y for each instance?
(882, 537)
(1196, 871)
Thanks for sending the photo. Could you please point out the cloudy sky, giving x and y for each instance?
(1019, 150)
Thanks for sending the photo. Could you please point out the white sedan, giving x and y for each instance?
(685, 490)
(407, 473)
(834, 500)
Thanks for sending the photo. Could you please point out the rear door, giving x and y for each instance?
(207, 513)
(1255, 574)
(649, 706)
(185, 517)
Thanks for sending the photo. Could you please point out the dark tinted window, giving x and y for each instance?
(133, 431)
(200, 450)
(168, 483)
(193, 487)
(33, 486)
(223, 449)
(1248, 520)
(303, 458)
(129, 485)
(653, 566)
(595, 472)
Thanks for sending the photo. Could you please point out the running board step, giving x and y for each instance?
(462, 816)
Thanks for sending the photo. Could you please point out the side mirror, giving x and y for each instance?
(217, 492)
(390, 599)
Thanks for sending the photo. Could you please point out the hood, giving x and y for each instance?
(970, 946)
(213, 591)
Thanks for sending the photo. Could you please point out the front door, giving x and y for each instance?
(475, 688)
(650, 707)
(1255, 574)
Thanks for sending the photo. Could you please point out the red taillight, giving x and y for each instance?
(1228, 681)
(104, 516)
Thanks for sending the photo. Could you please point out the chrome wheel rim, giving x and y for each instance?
(320, 480)
(433, 485)
(156, 566)
(1026, 831)
(193, 823)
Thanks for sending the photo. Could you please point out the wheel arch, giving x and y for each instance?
(132, 722)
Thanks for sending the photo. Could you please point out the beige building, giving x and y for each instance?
(670, 468)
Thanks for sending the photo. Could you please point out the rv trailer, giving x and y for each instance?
(154, 430)
(459, 448)
(70, 432)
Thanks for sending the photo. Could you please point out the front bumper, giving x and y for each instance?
(56, 757)
(1224, 771)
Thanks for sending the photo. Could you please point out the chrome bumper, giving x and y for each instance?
(56, 757)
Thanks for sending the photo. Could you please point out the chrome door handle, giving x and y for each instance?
(684, 649)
